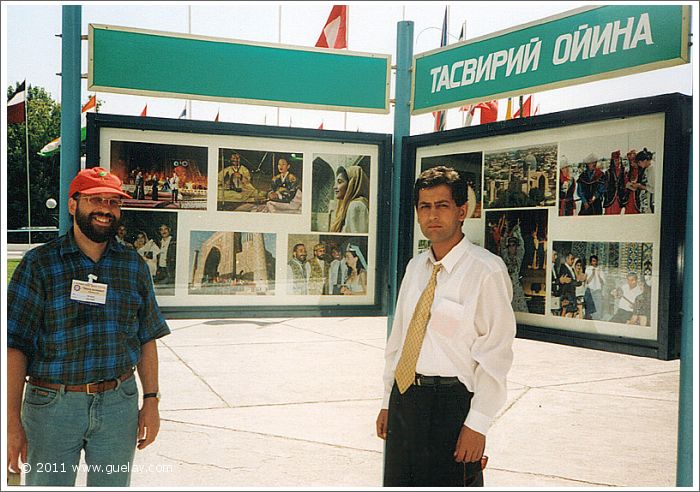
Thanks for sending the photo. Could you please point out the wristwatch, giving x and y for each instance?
(152, 395)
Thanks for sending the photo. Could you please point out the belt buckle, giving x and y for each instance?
(87, 387)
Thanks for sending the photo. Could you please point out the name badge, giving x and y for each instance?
(90, 292)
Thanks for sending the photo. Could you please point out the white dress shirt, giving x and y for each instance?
(595, 278)
(163, 258)
(471, 328)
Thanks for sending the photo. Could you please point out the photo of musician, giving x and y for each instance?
(259, 181)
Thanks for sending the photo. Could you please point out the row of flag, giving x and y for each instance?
(333, 35)
(488, 110)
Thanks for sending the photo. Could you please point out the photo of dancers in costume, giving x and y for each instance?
(161, 175)
(613, 181)
(519, 237)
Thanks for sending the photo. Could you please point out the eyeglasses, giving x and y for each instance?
(98, 200)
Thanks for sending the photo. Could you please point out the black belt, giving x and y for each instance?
(422, 380)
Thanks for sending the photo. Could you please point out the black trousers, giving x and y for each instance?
(424, 424)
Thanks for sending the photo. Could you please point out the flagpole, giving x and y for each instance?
(26, 142)
(279, 40)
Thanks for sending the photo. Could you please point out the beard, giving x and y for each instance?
(95, 233)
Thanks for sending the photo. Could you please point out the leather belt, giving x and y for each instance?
(422, 380)
(89, 388)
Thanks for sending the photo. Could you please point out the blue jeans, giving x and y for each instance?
(60, 424)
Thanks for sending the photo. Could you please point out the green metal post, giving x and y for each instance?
(70, 107)
(402, 128)
(685, 461)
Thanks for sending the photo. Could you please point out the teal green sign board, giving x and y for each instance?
(578, 46)
(152, 63)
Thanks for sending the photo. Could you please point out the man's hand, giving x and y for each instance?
(16, 447)
(149, 422)
(470, 446)
(382, 422)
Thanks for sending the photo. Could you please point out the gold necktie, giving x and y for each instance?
(406, 368)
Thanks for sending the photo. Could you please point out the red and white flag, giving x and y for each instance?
(488, 111)
(145, 110)
(15, 106)
(320, 127)
(335, 32)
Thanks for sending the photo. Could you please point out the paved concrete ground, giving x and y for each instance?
(292, 403)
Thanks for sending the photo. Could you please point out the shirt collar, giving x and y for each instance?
(449, 261)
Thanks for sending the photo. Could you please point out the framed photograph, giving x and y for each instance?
(161, 175)
(520, 177)
(519, 237)
(612, 174)
(599, 281)
(259, 181)
(468, 165)
(153, 234)
(327, 265)
(231, 251)
(340, 199)
(586, 208)
(232, 263)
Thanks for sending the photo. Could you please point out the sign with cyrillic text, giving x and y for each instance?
(165, 64)
(578, 46)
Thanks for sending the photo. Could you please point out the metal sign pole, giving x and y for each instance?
(685, 461)
(70, 107)
(402, 128)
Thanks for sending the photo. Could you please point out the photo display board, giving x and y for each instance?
(240, 220)
(587, 210)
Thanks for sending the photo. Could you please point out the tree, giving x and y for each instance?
(44, 120)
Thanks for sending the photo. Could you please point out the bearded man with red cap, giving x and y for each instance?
(81, 315)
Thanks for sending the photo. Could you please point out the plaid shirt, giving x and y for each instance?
(71, 342)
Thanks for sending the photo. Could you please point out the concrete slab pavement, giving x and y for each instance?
(292, 403)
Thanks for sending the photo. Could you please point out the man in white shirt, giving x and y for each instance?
(435, 424)
(165, 272)
(595, 279)
(174, 186)
(626, 295)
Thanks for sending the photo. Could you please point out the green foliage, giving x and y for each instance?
(44, 117)
(11, 265)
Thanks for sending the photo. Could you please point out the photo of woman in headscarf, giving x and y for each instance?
(352, 194)
(356, 281)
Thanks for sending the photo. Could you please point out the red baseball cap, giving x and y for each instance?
(96, 180)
